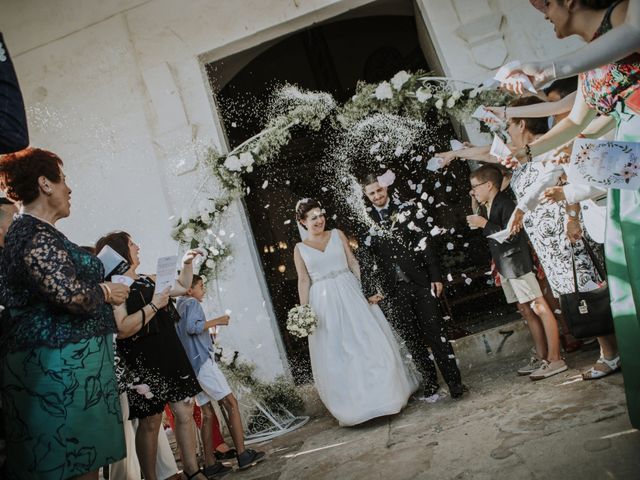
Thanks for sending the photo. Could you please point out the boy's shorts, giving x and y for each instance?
(523, 289)
(213, 383)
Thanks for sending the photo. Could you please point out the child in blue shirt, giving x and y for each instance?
(193, 331)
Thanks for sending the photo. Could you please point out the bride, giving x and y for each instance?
(357, 366)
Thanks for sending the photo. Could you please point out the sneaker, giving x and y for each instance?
(249, 458)
(228, 455)
(548, 369)
(534, 364)
(217, 470)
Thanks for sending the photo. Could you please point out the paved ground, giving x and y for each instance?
(507, 427)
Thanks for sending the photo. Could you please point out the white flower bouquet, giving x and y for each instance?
(301, 321)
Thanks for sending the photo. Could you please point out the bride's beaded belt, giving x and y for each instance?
(329, 275)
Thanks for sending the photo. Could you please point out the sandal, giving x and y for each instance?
(602, 368)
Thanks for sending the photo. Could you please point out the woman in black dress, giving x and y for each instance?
(158, 369)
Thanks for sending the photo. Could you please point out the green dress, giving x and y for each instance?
(606, 89)
(61, 409)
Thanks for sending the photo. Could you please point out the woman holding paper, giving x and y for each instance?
(610, 90)
(545, 224)
(157, 366)
(58, 379)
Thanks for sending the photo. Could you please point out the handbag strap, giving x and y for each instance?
(596, 263)
(594, 260)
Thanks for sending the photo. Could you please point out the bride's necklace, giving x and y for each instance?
(39, 218)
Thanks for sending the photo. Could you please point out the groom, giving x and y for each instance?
(401, 273)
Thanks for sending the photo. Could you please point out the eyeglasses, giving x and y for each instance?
(473, 187)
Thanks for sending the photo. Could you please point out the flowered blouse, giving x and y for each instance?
(52, 289)
(605, 86)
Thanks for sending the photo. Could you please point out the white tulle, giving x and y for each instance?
(357, 366)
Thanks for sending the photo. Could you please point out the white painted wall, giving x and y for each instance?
(117, 89)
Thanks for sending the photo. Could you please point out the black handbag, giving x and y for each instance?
(588, 314)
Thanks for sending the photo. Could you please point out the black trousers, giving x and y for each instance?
(415, 315)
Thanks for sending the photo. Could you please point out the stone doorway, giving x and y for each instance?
(331, 57)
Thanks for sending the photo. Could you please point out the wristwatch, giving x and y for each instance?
(572, 213)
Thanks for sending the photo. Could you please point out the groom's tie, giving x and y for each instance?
(384, 214)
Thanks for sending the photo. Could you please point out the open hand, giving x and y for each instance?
(562, 155)
(447, 157)
(553, 195)
(190, 255)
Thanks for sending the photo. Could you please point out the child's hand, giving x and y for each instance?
(476, 221)
(223, 320)
(516, 221)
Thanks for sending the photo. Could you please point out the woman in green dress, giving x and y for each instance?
(611, 90)
(61, 410)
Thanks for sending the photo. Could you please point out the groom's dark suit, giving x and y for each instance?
(401, 265)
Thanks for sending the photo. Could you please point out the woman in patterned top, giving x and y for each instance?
(61, 409)
(610, 90)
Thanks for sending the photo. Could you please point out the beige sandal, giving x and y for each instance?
(602, 368)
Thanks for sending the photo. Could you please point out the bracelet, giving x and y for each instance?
(106, 291)
(527, 152)
(155, 309)
(505, 112)
(144, 318)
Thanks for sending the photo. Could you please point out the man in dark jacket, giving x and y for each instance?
(401, 273)
(14, 135)
(514, 264)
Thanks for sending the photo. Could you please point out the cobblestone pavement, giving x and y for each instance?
(506, 427)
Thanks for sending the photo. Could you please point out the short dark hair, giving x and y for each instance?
(195, 280)
(368, 179)
(304, 206)
(488, 173)
(537, 126)
(19, 173)
(564, 86)
(119, 241)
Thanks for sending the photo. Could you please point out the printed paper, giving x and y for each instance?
(605, 164)
(166, 272)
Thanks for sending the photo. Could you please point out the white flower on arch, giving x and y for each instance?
(383, 91)
(399, 79)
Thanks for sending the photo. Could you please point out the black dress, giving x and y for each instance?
(158, 369)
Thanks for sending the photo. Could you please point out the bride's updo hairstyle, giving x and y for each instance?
(304, 206)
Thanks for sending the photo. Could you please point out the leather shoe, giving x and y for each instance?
(456, 391)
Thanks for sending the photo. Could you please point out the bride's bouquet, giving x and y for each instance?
(301, 321)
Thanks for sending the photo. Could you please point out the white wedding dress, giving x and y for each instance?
(357, 366)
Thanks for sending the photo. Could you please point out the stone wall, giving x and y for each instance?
(117, 89)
